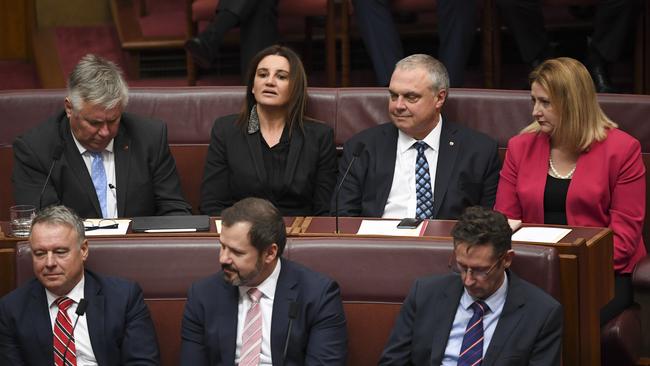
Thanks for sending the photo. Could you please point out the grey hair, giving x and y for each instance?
(98, 81)
(436, 70)
(61, 215)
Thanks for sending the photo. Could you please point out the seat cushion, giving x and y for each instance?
(621, 338)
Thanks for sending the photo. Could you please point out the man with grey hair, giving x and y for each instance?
(68, 315)
(103, 161)
(419, 165)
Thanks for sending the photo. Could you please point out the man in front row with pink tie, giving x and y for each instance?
(483, 314)
(68, 315)
(261, 309)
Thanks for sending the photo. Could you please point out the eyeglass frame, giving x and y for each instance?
(98, 226)
(468, 270)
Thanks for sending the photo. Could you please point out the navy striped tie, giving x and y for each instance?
(471, 352)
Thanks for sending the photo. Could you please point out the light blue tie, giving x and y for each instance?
(423, 191)
(98, 175)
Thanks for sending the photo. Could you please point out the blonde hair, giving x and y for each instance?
(572, 94)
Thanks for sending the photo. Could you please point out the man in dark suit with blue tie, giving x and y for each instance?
(261, 309)
(420, 165)
(68, 315)
(483, 314)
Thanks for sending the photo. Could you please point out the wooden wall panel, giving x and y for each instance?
(14, 29)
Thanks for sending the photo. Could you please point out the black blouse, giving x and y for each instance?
(555, 193)
(275, 163)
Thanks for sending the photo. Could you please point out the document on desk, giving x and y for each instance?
(540, 234)
(121, 229)
(389, 227)
(217, 224)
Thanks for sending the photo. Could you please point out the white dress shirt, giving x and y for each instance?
(464, 313)
(402, 198)
(267, 287)
(85, 354)
(109, 165)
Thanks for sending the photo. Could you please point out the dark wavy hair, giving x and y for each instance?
(297, 86)
(481, 226)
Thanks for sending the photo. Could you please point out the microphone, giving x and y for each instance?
(358, 149)
(56, 155)
(293, 313)
(81, 309)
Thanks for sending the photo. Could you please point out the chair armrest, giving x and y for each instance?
(641, 274)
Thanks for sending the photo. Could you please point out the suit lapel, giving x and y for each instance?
(228, 310)
(295, 147)
(41, 322)
(285, 293)
(449, 147)
(95, 318)
(510, 317)
(122, 155)
(444, 314)
(255, 149)
(385, 166)
(78, 166)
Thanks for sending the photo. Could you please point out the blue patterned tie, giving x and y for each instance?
(98, 175)
(423, 192)
(471, 352)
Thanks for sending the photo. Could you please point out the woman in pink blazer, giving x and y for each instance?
(573, 166)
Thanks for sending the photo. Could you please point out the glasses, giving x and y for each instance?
(463, 270)
(101, 224)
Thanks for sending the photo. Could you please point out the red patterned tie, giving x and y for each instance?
(63, 334)
(252, 335)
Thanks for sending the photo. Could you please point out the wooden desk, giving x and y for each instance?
(8, 247)
(586, 272)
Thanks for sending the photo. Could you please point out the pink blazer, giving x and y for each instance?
(607, 189)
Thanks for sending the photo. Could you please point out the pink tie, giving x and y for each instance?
(63, 335)
(252, 335)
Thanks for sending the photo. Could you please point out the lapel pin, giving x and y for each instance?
(126, 147)
(451, 143)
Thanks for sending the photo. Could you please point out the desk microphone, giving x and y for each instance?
(358, 149)
(56, 155)
(81, 309)
(293, 313)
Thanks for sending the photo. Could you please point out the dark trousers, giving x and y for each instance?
(258, 23)
(456, 28)
(611, 26)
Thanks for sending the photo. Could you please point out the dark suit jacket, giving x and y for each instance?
(529, 331)
(235, 169)
(121, 331)
(467, 173)
(318, 335)
(145, 171)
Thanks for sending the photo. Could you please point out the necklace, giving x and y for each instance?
(558, 175)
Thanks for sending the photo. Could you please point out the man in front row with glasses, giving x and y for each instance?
(485, 315)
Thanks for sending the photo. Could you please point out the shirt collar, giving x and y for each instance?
(495, 301)
(76, 294)
(82, 149)
(405, 142)
(267, 287)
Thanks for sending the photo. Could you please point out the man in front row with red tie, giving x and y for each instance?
(483, 314)
(261, 309)
(68, 315)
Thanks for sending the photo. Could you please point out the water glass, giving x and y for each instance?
(21, 219)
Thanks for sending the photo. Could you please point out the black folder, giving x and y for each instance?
(170, 223)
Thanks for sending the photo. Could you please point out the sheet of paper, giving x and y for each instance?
(388, 227)
(122, 227)
(540, 234)
(170, 231)
(217, 224)
(514, 224)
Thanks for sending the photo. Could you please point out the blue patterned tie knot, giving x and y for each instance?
(98, 175)
(471, 352)
(423, 191)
